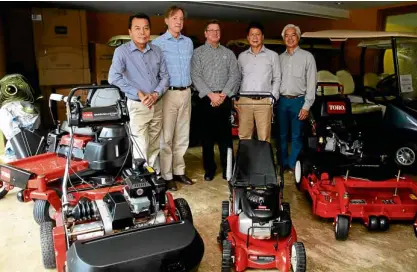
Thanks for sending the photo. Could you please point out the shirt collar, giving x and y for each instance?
(133, 47)
(295, 50)
(209, 45)
(263, 49)
(169, 36)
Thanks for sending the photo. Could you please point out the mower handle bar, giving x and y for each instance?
(262, 94)
(94, 88)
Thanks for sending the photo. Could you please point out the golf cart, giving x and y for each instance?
(358, 171)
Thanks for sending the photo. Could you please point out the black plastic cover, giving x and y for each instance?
(165, 248)
(119, 210)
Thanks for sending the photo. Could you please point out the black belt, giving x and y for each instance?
(292, 96)
(173, 88)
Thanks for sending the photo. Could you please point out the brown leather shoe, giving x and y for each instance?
(184, 179)
(171, 185)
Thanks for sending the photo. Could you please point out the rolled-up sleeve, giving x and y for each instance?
(164, 77)
(233, 82)
(311, 74)
(197, 75)
(118, 66)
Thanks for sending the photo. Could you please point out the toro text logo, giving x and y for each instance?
(336, 107)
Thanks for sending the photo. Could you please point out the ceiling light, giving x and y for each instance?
(338, 3)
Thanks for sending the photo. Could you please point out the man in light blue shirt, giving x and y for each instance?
(178, 50)
(138, 69)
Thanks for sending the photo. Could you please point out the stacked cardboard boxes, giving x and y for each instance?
(61, 46)
(102, 56)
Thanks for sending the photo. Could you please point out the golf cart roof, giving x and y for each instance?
(343, 35)
(121, 39)
(245, 43)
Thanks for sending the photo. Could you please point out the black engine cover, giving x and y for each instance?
(166, 248)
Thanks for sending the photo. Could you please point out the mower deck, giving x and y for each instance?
(259, 254)
(375, 203)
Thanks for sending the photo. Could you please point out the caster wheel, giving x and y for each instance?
(415, 231)
(373, 223)
(342, 226)
(383, 223)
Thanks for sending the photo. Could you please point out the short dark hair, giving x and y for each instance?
(173, 9)
(139, 16)
(257, 25)
(211, 22)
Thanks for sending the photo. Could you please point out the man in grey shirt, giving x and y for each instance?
(261, 73)
(297, 93)
(139, 70)
(215, 75)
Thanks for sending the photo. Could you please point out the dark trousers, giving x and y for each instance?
(287, 113)
(216, 128)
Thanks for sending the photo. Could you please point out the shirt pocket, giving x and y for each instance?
(297, 70)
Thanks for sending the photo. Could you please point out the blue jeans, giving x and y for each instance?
(287, 113)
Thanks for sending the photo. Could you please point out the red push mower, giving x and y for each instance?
(346, 177)
(256, 230)
(112, 217)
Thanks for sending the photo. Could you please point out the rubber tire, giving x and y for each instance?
(415, 231)
(413, 147)
(47, 245)
(298, 183)
(225, 209)
(41, 211)
(301, 257)
(227, 262)
(342, 226)
(373, 223)
(3, 191)
(286, 208)
(184, 209)
(383, 223)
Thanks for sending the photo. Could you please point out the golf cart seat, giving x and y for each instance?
(326, 76)
(357, 102)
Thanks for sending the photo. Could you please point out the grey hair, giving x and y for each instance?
(297, 30)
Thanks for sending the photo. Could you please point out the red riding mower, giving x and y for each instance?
(256, 230)
(110, 214)
(347, 176)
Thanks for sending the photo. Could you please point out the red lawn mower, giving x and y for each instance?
(347, 176)
(110, 214)
(256, 230)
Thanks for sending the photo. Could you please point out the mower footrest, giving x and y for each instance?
(171, 247)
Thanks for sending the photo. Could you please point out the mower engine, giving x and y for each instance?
(140, 203)
(348, 147)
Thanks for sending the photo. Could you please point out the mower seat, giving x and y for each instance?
(359, 106)
(326, 76)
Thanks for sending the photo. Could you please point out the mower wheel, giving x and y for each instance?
(42, 211)
(415, 231)
(298, 257)
(47, 245)
(342, 226)
(373, 223)
(383, 223)
(298, 174)
(184, 209)
(227, 261)
(285, 206)
(225, 209)
(3, 190)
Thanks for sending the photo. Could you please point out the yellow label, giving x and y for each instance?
(413, 196)
(150, 169)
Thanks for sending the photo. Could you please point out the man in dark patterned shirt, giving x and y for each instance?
(215, 75)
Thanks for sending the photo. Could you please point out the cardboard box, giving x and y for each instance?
(61, 107)
(102, 59)
(64, 76)
(62, 57)
(64, 27)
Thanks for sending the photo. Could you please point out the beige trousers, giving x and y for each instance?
(253, 112)
(146, 126)
(175, 132)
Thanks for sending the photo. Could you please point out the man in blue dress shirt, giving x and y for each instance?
(139, 70)
(178, 50)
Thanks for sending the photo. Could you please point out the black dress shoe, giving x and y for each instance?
(171, 185)
(184, 179)
(208, 177)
